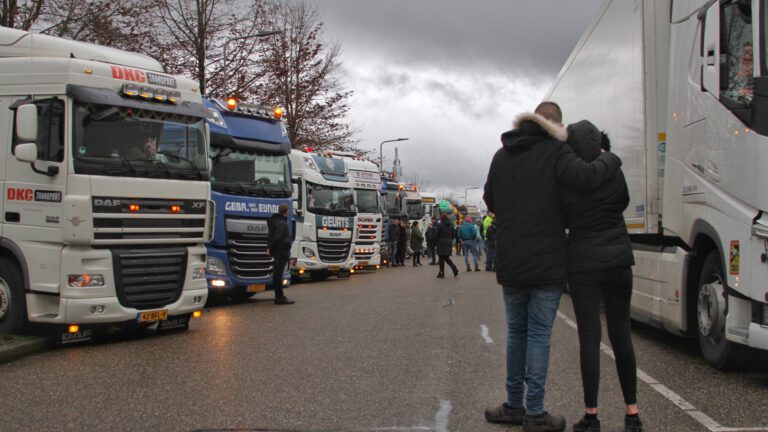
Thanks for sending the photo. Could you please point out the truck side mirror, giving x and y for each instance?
(296, 209)
(26, 152)
(26, 124)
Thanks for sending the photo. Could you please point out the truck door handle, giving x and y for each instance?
(710, 57)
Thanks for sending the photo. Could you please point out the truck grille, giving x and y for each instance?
(149, 278)
(248, 256)
(367, 234)
(333, 251)
(123, 221)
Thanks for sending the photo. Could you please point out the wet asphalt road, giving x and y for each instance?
(397, 350)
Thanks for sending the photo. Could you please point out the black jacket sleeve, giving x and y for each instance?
(488, 191)
(582, 176)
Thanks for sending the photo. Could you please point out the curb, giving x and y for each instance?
(13, 351)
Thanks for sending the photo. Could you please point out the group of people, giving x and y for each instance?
(558, 195)
(401, 236)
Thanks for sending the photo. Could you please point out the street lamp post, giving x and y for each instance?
(467, 190)
(381, 160)
(226, 62)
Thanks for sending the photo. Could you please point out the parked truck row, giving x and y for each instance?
(130, 199)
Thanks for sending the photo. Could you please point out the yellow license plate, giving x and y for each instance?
(334, 268)
(159, 315)
(363, 263)
(256, 288)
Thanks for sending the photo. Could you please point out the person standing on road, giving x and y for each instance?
(523, 190)
(599, 268)
(417, 243)
(490, 242)
(444, 240)
(279, 242)
(468, 236)
(431, 233)
(458, 241)
(394, 236)
(480, 238)
(402, 243)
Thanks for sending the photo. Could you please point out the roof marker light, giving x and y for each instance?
(231, 103)
(279, 112)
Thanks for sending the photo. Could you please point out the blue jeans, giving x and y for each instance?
(490, 256)
(480, 247)
(530, 312)
(469, 246)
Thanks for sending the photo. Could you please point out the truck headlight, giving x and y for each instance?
(85, 280)
(215, 266)
(198, 273)
(309, 253)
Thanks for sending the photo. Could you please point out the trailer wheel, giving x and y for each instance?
(13, 303)
(712, 302)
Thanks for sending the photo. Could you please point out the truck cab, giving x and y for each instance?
(325, 214)
(250, 178)
(367, 183)
(106, 195)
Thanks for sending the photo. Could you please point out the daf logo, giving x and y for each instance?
(107, 202)
(330, 163)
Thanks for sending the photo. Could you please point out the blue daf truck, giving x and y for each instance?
(250, 178)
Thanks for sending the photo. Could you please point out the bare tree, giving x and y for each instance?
(198, 31)
(20, 14)
(303, 74)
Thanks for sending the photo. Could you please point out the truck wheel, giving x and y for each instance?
(13, 303)
(711, 305)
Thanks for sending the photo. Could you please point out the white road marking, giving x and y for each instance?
(703, 419)
(484, 333)
(441, 418)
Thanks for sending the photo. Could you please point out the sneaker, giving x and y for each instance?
(455, 272)
(441, 276)
(586, 425)
(283, 301)
(469, 269)
(633, 424)
(477, 269)
(505, 414)
(545, 423)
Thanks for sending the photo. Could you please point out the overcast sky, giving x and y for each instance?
(450, 75)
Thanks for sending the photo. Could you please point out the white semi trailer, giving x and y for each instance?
(105, 207)
(681, 86)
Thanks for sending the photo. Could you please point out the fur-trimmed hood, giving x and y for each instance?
(531, 128)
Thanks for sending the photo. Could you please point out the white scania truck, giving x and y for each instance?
(681, 86)
(366, 180)
(105, 207)
(325, 216)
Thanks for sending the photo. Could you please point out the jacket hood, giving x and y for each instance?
(585, 140)
(529, 129)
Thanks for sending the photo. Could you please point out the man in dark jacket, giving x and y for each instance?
(279, 241)
(523, 190)
(394, 237)
(431, 236)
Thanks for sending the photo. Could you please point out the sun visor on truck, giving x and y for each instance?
(224, 140)
(111, 97)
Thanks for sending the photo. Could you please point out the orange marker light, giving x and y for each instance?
(231, 103)
(175, 209)
(134, 207)
(279, 112)
(74, 328)
(197, 314)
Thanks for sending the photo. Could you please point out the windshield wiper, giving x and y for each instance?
(159, 162)
(191, 164)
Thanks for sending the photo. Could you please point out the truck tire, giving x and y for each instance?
(711, 306)
(13, 303)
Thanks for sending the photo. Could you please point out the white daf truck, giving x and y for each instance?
(682, 89)
(366, 180)
(325, 216)
(105, 207)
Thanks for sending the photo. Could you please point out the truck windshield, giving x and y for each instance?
(367, 201)
(330, 200)
(119, 141)
(414, 209)
(393, 202)
(238, 172)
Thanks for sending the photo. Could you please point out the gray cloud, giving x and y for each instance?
(449, 74)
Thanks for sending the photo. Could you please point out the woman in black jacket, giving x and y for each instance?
(444, 234)
(599, 268)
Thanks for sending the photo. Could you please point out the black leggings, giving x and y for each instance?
(614, 287)
(446, 259)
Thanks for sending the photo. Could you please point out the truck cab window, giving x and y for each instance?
(50, 130)
(736, 58)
